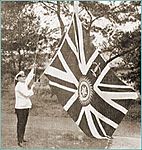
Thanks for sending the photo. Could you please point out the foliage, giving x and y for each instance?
(22, 33)
(119, 43)
(132, 60)
(19, 36)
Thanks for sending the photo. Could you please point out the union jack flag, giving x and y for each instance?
(94, 97)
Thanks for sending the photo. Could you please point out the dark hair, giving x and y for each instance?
(19, 76)
(15, 82)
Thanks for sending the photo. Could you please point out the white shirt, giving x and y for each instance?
(22, 93)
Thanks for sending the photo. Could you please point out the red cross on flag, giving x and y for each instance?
(94, 97)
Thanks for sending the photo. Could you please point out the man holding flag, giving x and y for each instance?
(23, 102)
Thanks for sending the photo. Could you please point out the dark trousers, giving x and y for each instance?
(22, 117)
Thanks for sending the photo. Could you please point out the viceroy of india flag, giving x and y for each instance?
(87, 88)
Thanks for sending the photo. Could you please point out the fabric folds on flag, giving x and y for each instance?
(94, 97)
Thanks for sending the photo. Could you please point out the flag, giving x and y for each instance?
(94, 97)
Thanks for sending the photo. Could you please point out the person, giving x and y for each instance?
(23, 102)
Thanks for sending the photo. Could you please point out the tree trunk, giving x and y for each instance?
(59, 17)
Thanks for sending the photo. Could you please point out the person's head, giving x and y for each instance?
(20, 76)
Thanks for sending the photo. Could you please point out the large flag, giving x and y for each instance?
(94, 97)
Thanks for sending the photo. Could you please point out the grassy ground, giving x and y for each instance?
(48, 124)
(47, 132)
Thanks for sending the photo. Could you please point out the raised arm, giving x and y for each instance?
(30, 76)
(25, 92)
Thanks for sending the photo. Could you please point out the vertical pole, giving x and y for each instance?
(76, 3)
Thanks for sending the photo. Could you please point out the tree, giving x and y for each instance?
(119, 43)
(48, 37)
(19, 36)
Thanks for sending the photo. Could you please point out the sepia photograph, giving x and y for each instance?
(71, 74)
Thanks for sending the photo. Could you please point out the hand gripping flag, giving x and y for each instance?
(85, 85)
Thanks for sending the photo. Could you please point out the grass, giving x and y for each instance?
(44, 104)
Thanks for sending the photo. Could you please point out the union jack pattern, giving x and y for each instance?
(85, 85)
